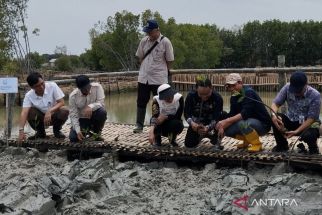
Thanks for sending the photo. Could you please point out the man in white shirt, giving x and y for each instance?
(42, 106)
(87, 110)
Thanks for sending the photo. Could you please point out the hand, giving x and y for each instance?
(87, 112)
(80, 136)
(277, 121)
(221, 133)
(21, 137)
(161, 118)
(222, 125)
(151, 136)
(203, 130)
(195, 126)
(47, 118)
(290, 134)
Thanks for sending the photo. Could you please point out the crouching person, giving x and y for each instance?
(248, 118)
(42, 106)
(87, 110)
(167, 109)
(203, 108)
(302, 116)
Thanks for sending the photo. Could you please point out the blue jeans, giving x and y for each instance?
(243, 127)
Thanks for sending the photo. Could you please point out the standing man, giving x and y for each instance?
(248, 118)
(203, 108)
(167, 109)
(43, 105)
(87, 110)
(302, 116)
(155, 53)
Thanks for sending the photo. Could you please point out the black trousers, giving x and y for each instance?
(193, 138)
(36, 119)
(95, 124)
(144, 93)
(168, 127)
(309, 136)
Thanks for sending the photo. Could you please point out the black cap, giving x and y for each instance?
(82, 81)
(297, 82)
(151, 24)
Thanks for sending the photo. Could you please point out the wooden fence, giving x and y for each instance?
(263, 79)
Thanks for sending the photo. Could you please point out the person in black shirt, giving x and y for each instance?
(203, 108)
(248, 118)
(167, 108)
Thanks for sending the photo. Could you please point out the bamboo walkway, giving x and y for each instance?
(120, 139)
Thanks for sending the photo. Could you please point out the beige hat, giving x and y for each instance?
(233, 78)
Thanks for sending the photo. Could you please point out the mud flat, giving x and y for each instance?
(46, 183)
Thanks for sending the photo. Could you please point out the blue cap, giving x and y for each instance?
(297, 82)
(151, 24)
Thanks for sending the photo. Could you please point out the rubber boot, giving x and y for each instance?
(157, 141)
(241, 145)
(253, 139)
(172, 139)
(140, 116)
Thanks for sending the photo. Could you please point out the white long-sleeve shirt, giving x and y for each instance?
(78, 101)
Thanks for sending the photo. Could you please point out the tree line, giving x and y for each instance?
(114, 43)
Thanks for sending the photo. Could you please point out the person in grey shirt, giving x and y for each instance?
(302, 116)
(87, 110)
(154, 66)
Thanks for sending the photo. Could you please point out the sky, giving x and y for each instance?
(67, 22)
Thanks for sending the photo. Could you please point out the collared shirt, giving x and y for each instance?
(249, 105)
(307, 106)
(52, 93)
(205, 112)
(78, 101)
(154, 68)
(173, 110)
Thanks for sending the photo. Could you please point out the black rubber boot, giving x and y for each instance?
(57, 133)
(140, 116)
(157, 141)
(173, 141)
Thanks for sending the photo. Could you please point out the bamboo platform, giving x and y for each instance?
(120, 139)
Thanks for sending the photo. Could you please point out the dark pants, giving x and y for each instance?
(309, 136)
(144, 93)
(95, 124)
(169, 127)
(36, 119)
(193, 138)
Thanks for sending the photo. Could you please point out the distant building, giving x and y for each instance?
(52, 62)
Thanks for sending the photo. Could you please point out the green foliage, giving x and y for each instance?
(114, 48)
(259, 44)
(63, 63)
(196, 46)
(115, 42)
(68, 63)
(36, 59)
(10, 67)
(12, 25)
